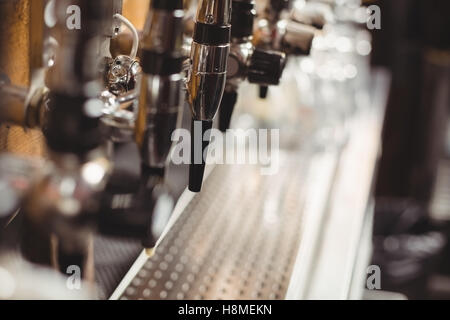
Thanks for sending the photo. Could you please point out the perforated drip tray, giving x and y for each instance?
(238, 239)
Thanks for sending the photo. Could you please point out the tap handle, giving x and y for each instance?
(207, 77)
(266, 67)
(298, 38)
(226, 109)
(313, 14)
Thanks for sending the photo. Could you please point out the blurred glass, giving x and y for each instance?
(318, 94)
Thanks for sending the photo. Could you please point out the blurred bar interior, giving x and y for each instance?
(336, 183)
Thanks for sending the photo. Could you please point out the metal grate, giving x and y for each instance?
(113, 258)
(238, 239)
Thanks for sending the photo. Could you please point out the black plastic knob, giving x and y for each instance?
(266, 67)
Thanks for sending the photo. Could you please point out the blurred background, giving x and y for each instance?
(413, 185)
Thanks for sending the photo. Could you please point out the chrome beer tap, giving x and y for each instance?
(139, 213)
(59, 207)
(257, 65)
(276, 30)
(207, 78)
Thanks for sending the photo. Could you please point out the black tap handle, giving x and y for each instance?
(266, 67)
(226, 109)
(200, 139)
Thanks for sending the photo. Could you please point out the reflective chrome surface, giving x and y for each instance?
(76, 69)
(161, 96)
(160, 106)
(163, 30)
(298, 37)
(207, 78)
(214, 12)
(238, 62)
(122, 76)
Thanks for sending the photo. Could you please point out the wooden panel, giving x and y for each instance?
(136, 11)
(15, 61)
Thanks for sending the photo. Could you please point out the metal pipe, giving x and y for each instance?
(12, 104)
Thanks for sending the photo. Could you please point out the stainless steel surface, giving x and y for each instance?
(229, 251)
(333, 269)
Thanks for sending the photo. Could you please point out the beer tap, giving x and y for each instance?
(277, 31)
(207, 77)
(257, 65)
(121, 75)
(160, 102)
(59, 209)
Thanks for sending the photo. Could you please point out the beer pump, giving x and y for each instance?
(61, 203)
(259, 66)
(276, 30)
(207, 78)
(138, 212)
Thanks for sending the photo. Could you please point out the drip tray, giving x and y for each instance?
(238, 239)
